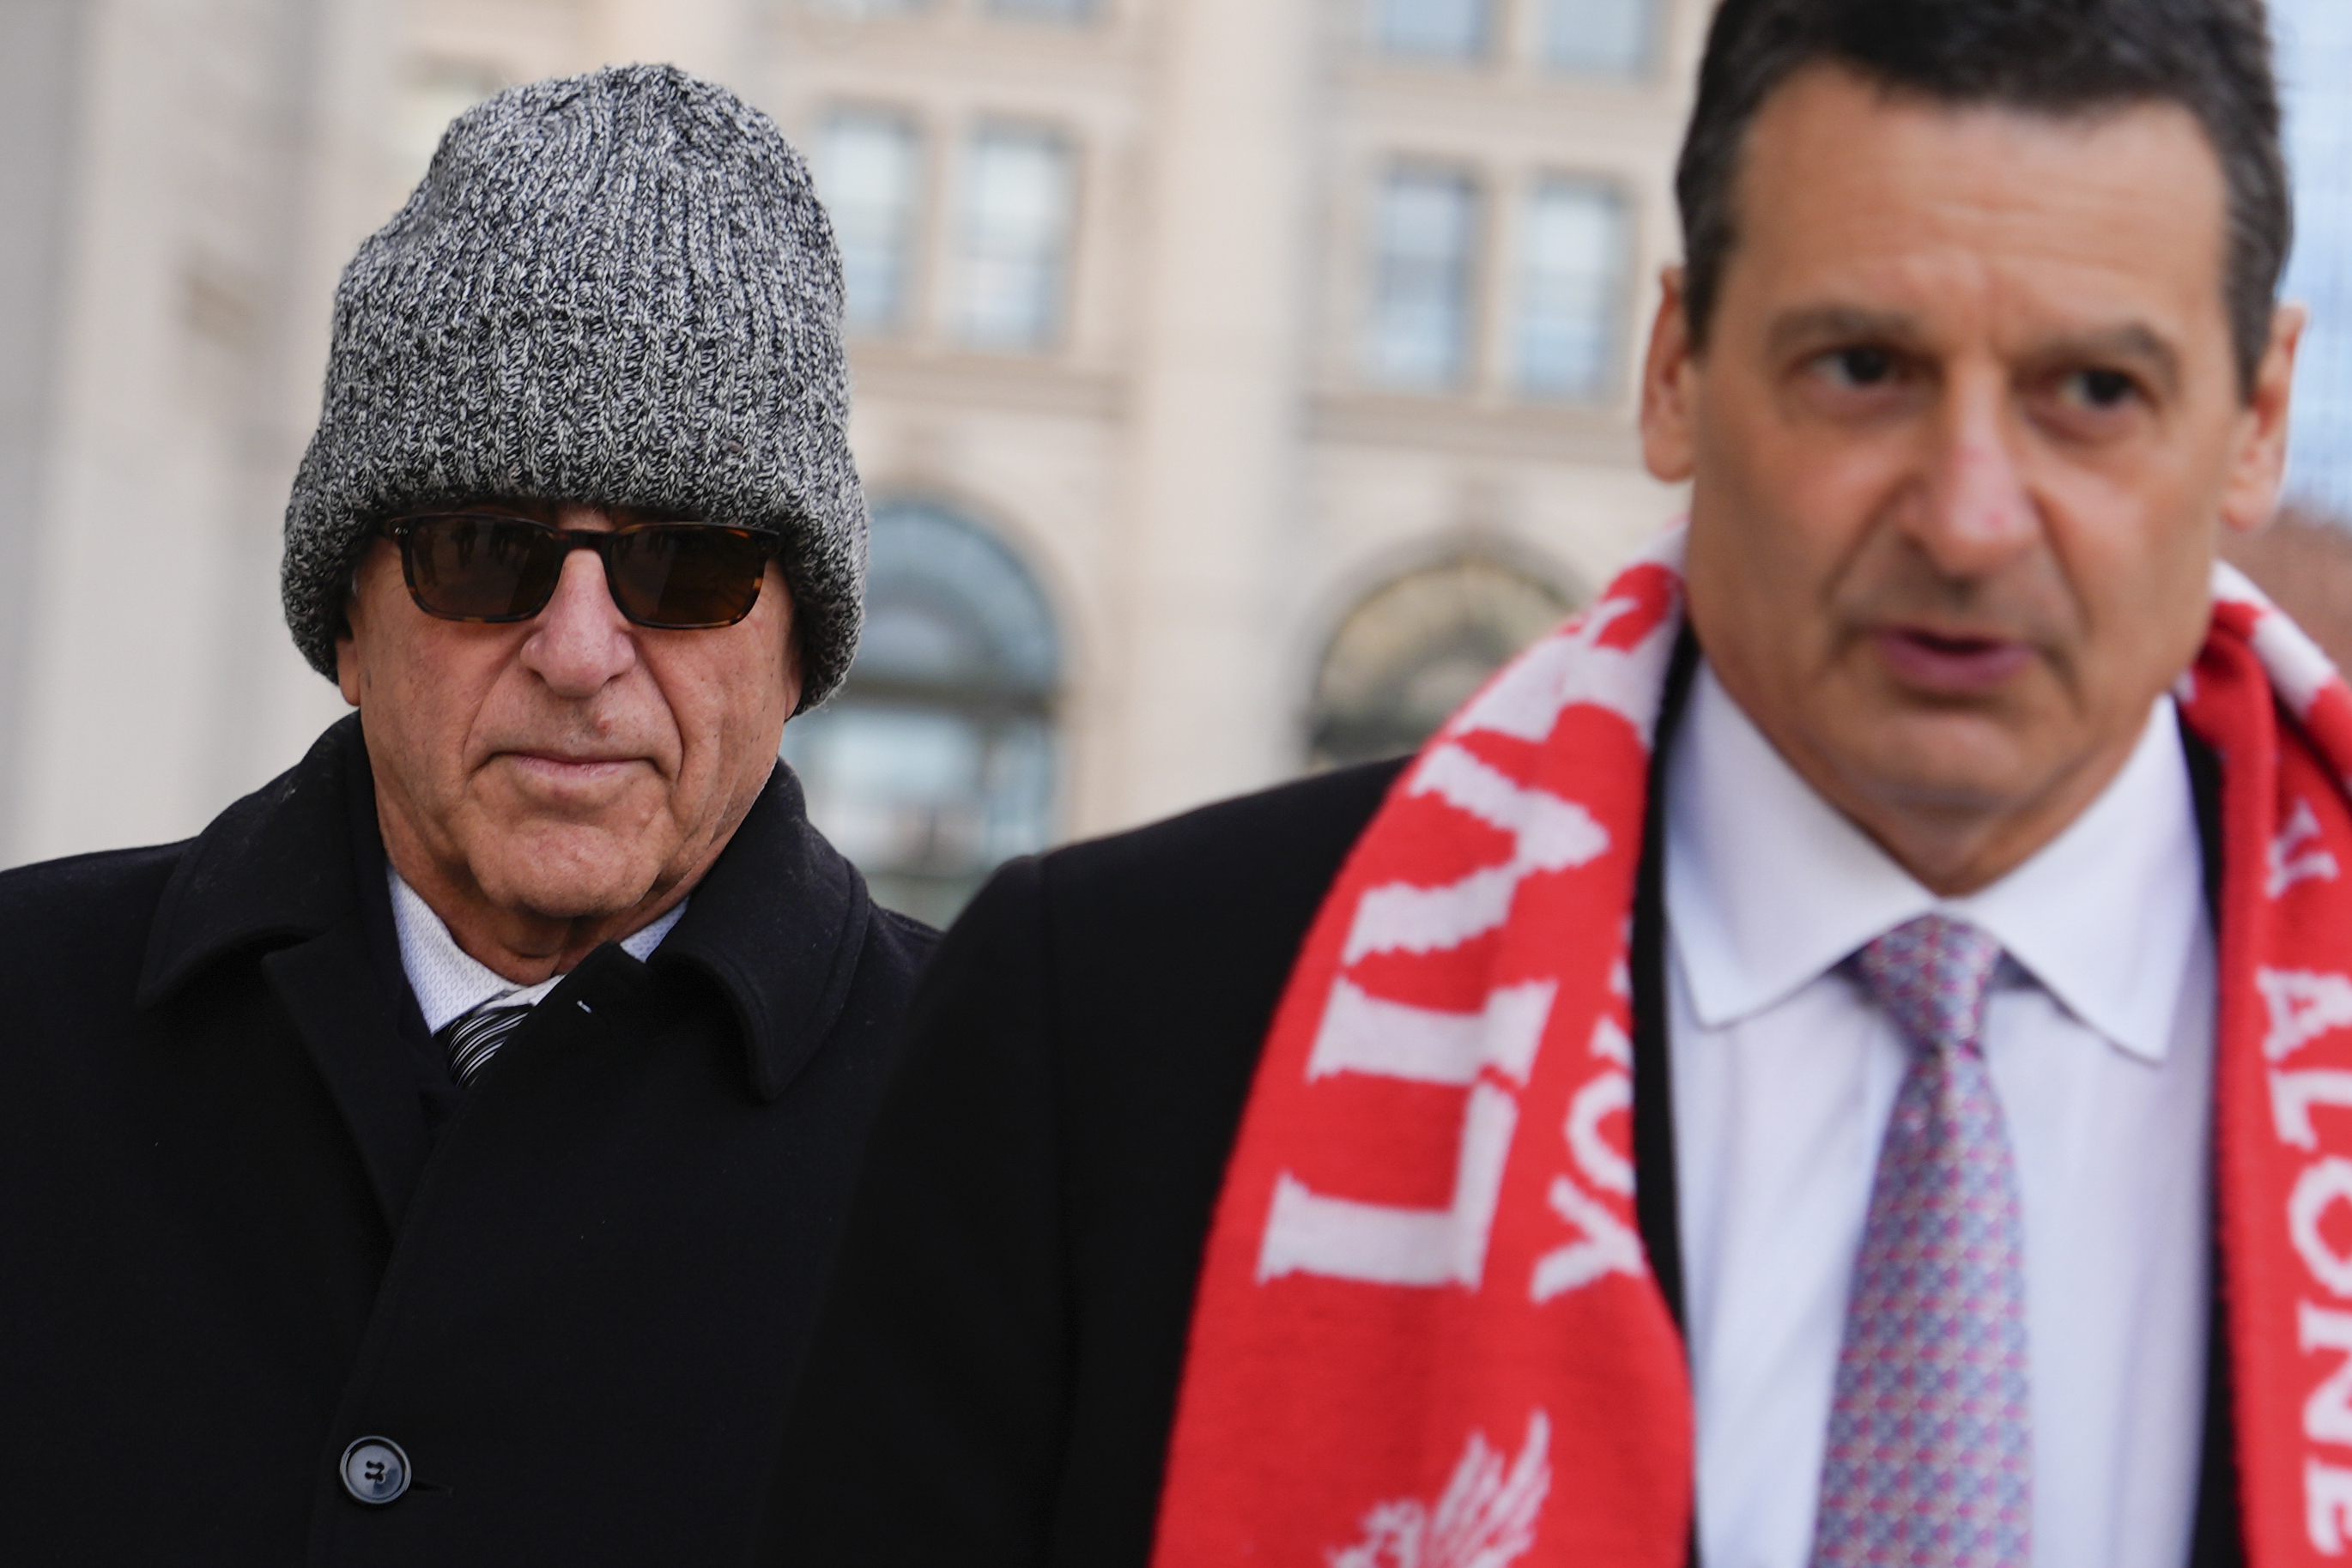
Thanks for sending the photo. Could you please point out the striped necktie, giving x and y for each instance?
(472, 1038)
(1929, 1462)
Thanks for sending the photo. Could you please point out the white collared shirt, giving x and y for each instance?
(449, 982)
(2100, 1044)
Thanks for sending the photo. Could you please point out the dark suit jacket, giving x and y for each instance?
(244, 1216)
(996, 1373)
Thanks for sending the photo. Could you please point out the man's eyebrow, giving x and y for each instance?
(2134, 342)
(1816, 324)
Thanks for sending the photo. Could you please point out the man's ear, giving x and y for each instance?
(793, 683)
(347, 665)
(347, 643)
(378, 556)
(1668, 442)
(795, 663)
(2258, 470)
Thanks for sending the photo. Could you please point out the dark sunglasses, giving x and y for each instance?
(480, 566)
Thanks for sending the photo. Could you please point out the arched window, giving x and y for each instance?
(1416, 649)
(935, 762)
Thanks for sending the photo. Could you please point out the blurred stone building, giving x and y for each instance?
(1237, 382)
(2315, 48)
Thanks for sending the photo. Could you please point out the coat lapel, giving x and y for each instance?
(283, 872)
(777, 924)
(327, 988)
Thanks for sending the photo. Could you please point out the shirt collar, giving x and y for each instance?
(1767, 886)
(449, 982)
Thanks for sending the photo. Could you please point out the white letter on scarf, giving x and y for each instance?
(1595, 1156)
(2291, 861)
(2302, 1006)
(1608, 1248)
(2326, 1505)
(1364, 1033)
(1547, 834)
(2327, 1414)
(2321, 1184)
(2293, 1095)
(1388, 1244)
(1571, 666)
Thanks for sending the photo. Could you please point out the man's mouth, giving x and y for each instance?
(558, 767)
(1950, 663)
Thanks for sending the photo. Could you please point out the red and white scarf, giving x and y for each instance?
(1427, 1336)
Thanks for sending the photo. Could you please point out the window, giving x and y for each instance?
(1047, 10)
(1013, 227)
(1423, 240)
(1441, 29)
(870, 171)
(2315, 36)
(1571, 290)
(935, 763)
(1415, 651)
(1603, 37)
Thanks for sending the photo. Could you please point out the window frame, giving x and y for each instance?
(918, 249)
(1517, 36)
(1654, 19)
(1622, 294)
(1491, 26)
(1009, 710)
(1466, 371)
(1046, 13)
(957, 259)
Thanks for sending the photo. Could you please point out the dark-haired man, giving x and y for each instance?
(436, 1160)
(1768, 1080)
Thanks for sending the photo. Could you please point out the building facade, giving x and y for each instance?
(182, 178)
(1236, 382)
(2314, 39)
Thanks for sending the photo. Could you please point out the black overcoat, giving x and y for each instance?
(997, 1372)
(245, 1218)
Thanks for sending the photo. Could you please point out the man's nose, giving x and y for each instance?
(581, 641)
(1977, 511)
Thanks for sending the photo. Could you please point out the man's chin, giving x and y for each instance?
(581, 874)
(1961, 760)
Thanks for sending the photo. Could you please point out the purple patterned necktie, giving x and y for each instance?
(1930, 1455)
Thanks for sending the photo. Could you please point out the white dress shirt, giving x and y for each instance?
(449, 982)
(2100, 1044)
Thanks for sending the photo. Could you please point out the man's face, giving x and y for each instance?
(549, 783)
(1964, 431)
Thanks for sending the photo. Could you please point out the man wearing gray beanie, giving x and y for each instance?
(437, 1159)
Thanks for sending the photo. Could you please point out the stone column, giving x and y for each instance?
(40, 55)
(155, 655)
(1198, 697)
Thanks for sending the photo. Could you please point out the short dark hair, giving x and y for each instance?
(2062, 57)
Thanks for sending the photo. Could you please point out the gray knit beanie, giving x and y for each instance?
(616, 288)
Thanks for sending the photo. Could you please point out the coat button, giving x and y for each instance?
(375, 1470)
